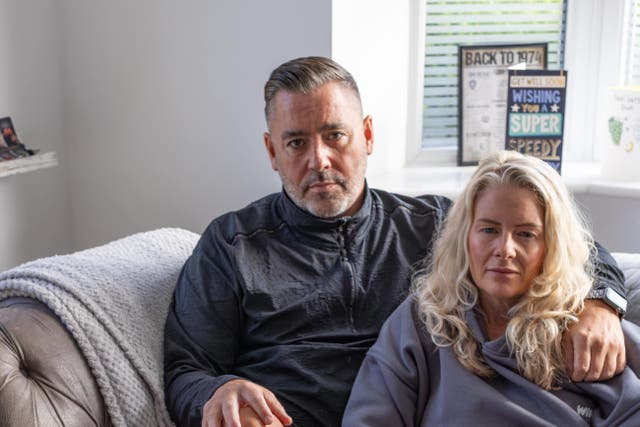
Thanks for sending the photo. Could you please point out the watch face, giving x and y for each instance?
(615, 299)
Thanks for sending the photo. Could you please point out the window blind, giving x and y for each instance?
(464, 22)
(632, 45)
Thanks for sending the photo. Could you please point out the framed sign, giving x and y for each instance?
(535, 114)
(482, 94)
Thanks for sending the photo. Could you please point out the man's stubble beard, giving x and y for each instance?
(324, 205)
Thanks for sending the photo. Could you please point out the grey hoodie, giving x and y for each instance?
(405, 380)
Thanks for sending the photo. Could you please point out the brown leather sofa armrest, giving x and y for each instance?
(44, 379)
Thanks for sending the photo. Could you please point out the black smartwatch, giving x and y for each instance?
(611, 298)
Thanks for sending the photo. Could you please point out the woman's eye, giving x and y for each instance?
(488, 230)
(527, 234)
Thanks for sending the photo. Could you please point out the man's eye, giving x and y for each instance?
(335, 136)
(295, 143)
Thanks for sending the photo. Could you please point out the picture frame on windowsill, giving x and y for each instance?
(482, 93)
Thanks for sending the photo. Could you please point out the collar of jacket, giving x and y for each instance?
(318, 228)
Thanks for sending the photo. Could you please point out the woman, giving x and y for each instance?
(480, 340)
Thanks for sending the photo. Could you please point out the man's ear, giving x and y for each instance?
(368, 133)
(270, 150)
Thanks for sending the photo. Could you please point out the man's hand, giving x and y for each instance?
(248, 418)
(594, 346)
(255, 402)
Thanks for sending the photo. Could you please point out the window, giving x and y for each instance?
(597, 41)
(631, 44)
(454, 22)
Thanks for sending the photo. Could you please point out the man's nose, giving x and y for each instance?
(319, 158)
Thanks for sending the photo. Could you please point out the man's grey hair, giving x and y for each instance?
(304, 75)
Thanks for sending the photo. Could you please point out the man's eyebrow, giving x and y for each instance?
(292, 133)
(331, 126)
(296, 132)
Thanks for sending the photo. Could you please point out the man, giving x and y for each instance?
(279, 302)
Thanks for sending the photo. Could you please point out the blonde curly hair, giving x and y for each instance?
(445, 291)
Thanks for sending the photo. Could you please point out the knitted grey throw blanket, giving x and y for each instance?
(113, 299)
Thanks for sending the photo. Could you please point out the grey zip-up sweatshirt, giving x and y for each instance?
(406, 380)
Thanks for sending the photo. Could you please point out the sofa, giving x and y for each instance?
(81, 334)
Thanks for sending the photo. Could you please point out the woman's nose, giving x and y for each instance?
(506, 247)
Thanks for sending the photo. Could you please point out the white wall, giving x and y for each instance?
(160, 106)
(34, 212)
(163, 101)
(155, 109)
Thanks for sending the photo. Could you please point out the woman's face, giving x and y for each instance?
(506, 244)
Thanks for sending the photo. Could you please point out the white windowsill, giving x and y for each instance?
(580, 177)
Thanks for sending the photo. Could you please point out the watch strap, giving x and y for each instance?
(611, 298)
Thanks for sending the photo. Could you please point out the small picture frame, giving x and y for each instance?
(482, 94)
(10, 145)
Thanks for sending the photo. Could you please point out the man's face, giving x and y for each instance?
(319, 143)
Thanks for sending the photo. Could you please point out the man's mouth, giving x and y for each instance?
(322, 185)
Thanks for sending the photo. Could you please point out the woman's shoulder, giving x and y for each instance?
(404, 330)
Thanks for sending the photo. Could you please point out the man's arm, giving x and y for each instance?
(594, 346)
(202, 339)
(201, 332)
(608, 275)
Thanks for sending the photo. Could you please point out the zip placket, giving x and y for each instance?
(342, 243)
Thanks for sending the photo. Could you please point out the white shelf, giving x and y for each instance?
(27, 164)
(581, 178)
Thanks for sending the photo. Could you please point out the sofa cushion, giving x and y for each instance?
(45, 380)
